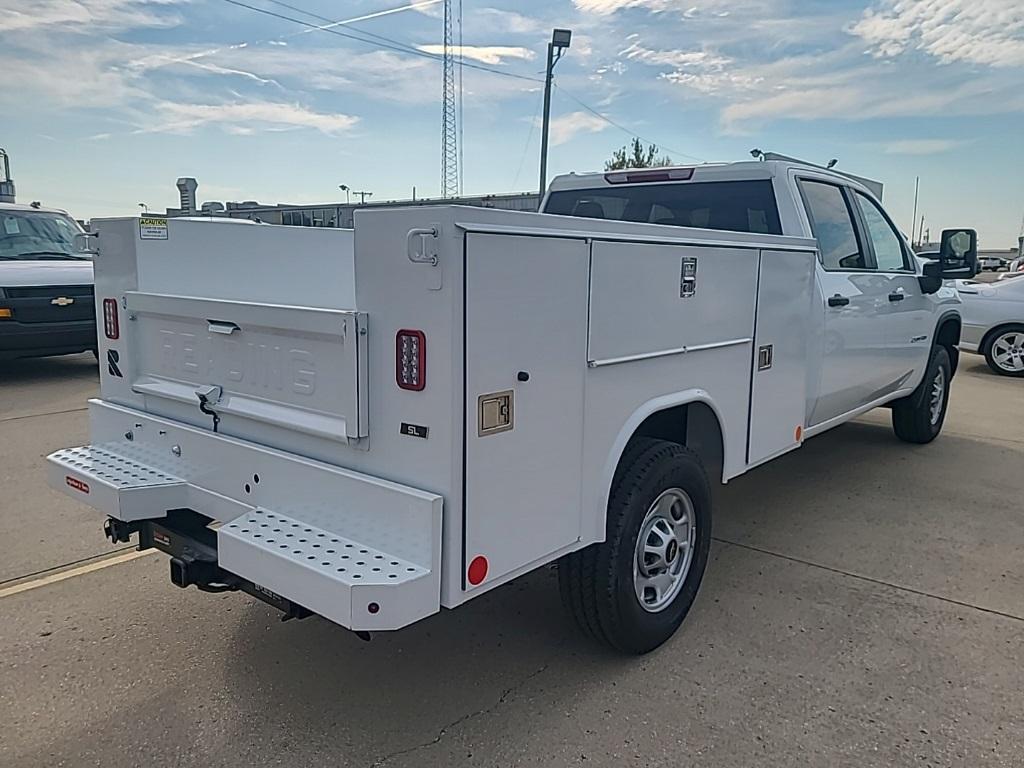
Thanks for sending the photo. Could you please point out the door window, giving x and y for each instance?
(832, 225)
(888, 246)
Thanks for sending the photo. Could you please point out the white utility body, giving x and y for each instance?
(371, 424)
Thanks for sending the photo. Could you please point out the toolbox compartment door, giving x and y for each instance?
(526, 357)
(778, 384)
(259, 365)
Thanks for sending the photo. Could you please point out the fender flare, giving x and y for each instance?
(636, 418)
(949, 314)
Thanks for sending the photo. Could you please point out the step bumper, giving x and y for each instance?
(360, 551)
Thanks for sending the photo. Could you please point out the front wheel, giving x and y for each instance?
(1005, 352)
(918, 418)
(633, 590)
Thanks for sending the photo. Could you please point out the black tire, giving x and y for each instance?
(597, 583)
(912, 417)
(989, 350)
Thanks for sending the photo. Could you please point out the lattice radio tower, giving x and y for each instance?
(451, 177)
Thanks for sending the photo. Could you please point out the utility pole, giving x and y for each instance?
(913, 221)
(920, 232)
(560, 39)
(362, 196)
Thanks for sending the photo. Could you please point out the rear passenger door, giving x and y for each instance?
(908, 317)
(853, 295)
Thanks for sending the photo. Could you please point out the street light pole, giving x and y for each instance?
(560, 39)
(344, 188)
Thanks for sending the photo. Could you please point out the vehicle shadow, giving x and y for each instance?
(850, 500)
(34, 370)
(360, 702)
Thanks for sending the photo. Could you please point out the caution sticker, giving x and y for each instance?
(153, 229)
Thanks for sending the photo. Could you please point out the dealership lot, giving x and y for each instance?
(864, 606)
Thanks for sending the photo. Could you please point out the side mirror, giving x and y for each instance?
(931, 277)
(958, 253)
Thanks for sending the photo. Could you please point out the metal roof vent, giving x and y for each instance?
(187, 189)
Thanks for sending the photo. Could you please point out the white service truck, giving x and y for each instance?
(372, 424)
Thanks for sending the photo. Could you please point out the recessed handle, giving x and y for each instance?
(838, 301)
(222, 327)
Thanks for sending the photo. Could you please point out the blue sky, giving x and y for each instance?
(106, 102)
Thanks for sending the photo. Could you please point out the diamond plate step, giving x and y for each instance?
(117, 479)
(337, 577)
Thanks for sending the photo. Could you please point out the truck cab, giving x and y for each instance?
(878, 314)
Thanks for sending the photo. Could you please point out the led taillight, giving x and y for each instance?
(411, 360)
(111, 326)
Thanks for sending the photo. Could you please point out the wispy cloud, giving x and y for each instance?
(977, 31)
(921, 146)
(95, 14)
(566, 127)
(242, 118)
(485, 54)
(608, 7)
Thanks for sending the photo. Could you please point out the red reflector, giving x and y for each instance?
(111, 327)
(411, 360)
(641, 177)
(477, 570)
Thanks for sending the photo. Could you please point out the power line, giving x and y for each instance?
(400, 47)
(529, 137)
(384, 42)
(623, 128)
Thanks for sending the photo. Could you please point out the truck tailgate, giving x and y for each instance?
(301, 368)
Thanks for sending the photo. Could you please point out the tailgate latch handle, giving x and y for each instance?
(419, 248)
(209, 396)
(222, 327)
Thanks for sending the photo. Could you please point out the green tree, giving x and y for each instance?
(634, 155)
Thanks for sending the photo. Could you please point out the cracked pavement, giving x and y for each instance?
(864, 606)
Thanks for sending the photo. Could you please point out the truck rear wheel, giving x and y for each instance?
(633, 590)
(918, 418)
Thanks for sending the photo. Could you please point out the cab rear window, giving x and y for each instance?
(737, 206)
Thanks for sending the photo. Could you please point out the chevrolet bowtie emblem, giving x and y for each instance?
(62, 301)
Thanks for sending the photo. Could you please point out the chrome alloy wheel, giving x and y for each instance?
(664, 549)
(938, 395)
(1008, 351)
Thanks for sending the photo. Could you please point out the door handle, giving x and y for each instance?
(896, 296)
(838, 301)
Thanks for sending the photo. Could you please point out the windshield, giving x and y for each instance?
(38, 236)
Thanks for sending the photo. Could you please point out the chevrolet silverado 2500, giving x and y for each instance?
(372, 424)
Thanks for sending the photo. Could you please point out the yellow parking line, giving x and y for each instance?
(81, 570)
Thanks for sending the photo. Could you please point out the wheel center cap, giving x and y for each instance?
(671, 551)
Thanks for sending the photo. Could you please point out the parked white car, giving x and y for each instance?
(993, 323)
(1016, 269)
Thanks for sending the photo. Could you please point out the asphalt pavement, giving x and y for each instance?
(864, 606)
